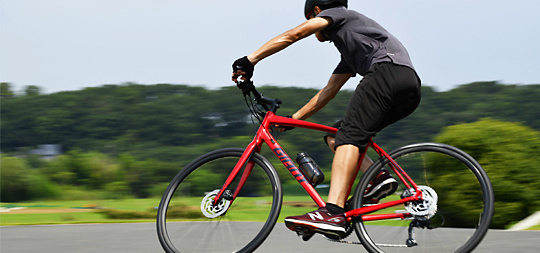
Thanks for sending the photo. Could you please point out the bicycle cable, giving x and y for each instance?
(250, 110)
(255, 111)
(259, 113)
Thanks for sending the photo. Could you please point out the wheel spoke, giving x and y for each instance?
(193, 223)
(446, 219)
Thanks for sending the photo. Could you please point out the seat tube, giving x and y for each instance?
(353, 178)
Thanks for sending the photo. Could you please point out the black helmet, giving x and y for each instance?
(310, 4)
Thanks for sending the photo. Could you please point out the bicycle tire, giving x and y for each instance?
(464, 201)
(218, 234)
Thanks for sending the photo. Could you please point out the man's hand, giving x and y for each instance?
(242, 67)
(281, 129)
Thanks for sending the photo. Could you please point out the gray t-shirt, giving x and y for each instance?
(362, 42)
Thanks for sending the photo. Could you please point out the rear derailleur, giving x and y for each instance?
(411, 242)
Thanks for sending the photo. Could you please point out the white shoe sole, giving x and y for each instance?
(386, 183)
(321, 226)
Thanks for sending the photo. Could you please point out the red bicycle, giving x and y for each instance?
(444, 202)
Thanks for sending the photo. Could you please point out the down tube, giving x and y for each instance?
(291, 166)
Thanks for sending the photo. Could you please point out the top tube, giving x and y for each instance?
(286, 121)
(271, 118)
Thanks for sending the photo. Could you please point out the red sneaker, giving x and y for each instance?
(380, 187)
(321, 221)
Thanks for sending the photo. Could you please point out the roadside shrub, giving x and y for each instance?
(184, 212)
(509, 154)
(126, 214)
(158, 189)
(116, 190)
(69, 192)
(175, 212)
(19, 182)
(42, 188)
(14, 180)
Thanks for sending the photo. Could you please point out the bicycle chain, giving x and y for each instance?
(347, 233)
(341, 241)
(359, 243)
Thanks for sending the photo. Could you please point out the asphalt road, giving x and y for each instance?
(141, 237)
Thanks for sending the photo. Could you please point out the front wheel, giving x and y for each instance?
(454, 214)
(187, 220)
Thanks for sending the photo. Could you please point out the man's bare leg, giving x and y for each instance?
(343, 169)
(365, 164)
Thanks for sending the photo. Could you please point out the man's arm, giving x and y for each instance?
(281, 42)
(324, 96)
(288, 38)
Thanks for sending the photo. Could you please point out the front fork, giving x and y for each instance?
(244, 161)
(226, 193)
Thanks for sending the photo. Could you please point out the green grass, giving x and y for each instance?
(131, 204)
(7, 218)
(537, 227)
(256, 208)
(51, 218)
(246, 209)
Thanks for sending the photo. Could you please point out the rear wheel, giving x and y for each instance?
(188, 221)
(454, 214)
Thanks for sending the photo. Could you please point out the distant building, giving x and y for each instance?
(47, 151)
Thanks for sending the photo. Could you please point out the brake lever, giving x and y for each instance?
(245, 86)
(241, 84)
(248, 88)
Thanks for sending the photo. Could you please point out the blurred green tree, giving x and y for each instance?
(5, 91)
(509, 154)
(32, 90)
(19, 182)
(15, 180)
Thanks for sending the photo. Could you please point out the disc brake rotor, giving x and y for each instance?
(209, 209)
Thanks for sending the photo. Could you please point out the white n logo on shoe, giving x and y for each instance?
(315, 215)
(336, 220)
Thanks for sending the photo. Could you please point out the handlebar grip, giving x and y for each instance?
(247, 87)
(243, 84)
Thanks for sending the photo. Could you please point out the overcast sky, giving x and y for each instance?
(71, 44)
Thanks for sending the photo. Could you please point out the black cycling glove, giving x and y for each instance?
(245, 65)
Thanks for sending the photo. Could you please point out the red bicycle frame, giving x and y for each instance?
(264, 136)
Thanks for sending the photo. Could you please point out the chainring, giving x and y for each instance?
(348, 232)
(426, 207)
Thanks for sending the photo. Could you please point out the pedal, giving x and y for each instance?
(305, 233)
(411, 243)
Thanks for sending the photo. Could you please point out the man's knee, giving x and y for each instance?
(331, 141)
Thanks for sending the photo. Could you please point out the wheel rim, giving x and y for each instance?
(192, 224)
(459, 222)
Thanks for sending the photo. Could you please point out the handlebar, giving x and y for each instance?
(248, 88)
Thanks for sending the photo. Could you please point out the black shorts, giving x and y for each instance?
(386, 94)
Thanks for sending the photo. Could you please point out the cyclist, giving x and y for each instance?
(388, 92)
